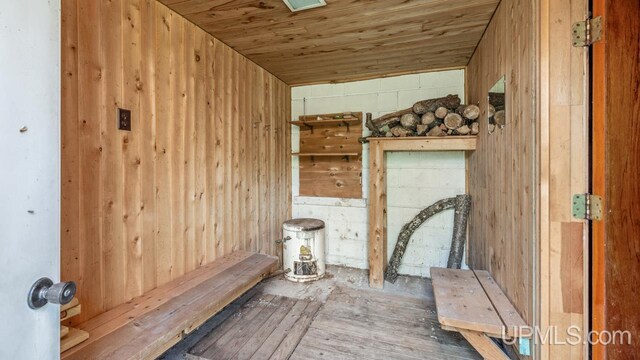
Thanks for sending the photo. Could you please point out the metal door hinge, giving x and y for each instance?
(587, 207)
(585, 33)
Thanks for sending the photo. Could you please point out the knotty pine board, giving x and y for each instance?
(319, 45)
(502, 185)
(523, 176)
(331, 176)
(204, 171)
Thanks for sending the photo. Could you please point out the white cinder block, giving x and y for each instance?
(431, 176)
(362, 87)
(297, 109)
(429, 80)
(301, 92)
(365, 156)
(430, 179)
(431, 93)
(332, 202)
(295, 138)
(347, 214)
(363, 102)
(347, 247)
(406, 98)
(426, 160)
(450, 78)
(404, 82)
(393, 178)
(324, 105)
(327, 90)
(388, 102)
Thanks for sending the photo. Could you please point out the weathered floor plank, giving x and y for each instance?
(353, 323)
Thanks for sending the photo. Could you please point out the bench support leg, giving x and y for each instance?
(484, 345)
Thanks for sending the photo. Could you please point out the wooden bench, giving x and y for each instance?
(471, 303)
(147, 326)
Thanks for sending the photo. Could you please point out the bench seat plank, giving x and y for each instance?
(106, 322)
(182, 307)
(507, 312)
(462, 303)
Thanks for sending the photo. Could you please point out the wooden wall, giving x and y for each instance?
(615, 164)
(522, 178)
(564, 171)
(205, 170)
(502, 171)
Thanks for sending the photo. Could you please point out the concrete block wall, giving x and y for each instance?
(414, 180)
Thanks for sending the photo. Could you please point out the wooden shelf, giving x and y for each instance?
(330, 155)
(422, 143)
(333, 122)
(325, 154)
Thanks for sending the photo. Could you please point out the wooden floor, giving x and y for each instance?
(353, 323)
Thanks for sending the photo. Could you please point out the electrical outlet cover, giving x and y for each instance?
(124, 119)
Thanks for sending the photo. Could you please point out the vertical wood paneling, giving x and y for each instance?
(163, 145)
(177, 155)
(220, 147)
(204, 171)
(112, 179)
(131, 24)
(147, 145)
(69, 221)
(503, 178)
(90, 150)
(524, 176)
(210, 149)
(564, 240)
(199, 57)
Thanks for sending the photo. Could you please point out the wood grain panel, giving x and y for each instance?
(320, 45)
(502, 181)
(523, 176)
(616, 246)
(564, 144)
(337, 175)
(205, 169)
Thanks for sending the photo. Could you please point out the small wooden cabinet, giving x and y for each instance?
(330, 155)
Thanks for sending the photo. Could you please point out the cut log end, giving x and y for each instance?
(463, 130)
(475, 128)
(428, 118)
(436, 131)
(422, 129)
(453, 121)
(471, 112)
(410, 121)
(500, 118)
(441, 112)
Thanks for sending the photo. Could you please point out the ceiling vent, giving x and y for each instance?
(299, 5)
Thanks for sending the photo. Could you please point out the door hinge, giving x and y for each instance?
(587, 207)
(585, 33)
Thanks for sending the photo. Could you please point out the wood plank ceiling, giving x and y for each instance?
(347, 39)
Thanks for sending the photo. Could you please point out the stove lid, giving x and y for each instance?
(303, 224)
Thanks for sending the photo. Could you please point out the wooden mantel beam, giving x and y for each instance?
(378, 190)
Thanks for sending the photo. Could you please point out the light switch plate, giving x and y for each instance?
(124, 119)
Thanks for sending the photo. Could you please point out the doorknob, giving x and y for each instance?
(45, 291)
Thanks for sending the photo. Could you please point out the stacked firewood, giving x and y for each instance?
(496, 111)
(434, 117)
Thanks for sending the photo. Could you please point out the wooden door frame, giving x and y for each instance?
(597, 183)
(377, 206)
(615, 266)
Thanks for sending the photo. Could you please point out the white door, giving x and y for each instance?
(29, 174)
